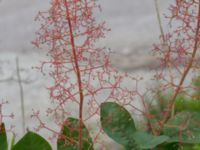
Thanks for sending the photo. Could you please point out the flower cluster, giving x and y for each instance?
(82, 74)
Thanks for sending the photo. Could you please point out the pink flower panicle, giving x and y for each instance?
(5, 116)
(69, 32)
(179, 53)
(177, 50)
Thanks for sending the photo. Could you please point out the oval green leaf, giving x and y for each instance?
(3, 138)
(118, 124)
(69, 136)
(32, 141)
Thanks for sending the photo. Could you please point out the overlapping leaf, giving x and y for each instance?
(3, 138)
(184, 128)
(69, 136)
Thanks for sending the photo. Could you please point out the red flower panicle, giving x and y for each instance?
(82, 74)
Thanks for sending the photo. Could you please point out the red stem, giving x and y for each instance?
(78, 74)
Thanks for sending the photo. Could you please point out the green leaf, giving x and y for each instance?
(12, 141)
(184, 128)
(148, 141)
(196, 147)
(69, 136)
(168, 146)
(118, 124)
(186, 147)
(32, 141)
(3, 138)
(184, 103)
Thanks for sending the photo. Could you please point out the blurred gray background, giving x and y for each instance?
(133, 24)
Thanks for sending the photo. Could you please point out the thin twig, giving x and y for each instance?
(21, 93)
(159, 21)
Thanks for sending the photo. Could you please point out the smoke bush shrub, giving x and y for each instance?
(83, 79)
